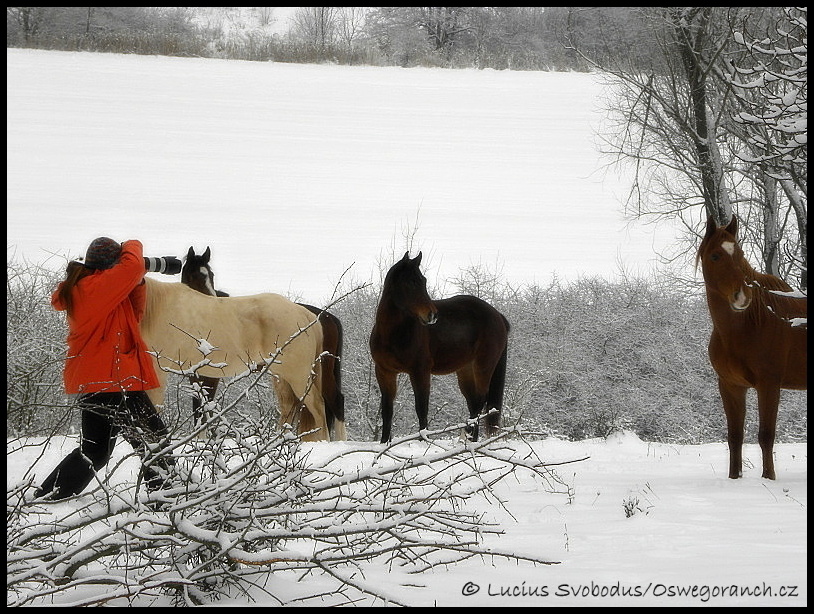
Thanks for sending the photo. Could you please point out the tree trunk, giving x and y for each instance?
(771, 226)
(690, 40)
(797, 201)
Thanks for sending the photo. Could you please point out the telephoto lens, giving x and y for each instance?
(168, 265)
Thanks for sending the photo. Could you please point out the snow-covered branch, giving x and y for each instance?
(254, 497)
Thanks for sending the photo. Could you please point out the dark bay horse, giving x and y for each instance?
(759, 339)
(198, 275)
(421, 337)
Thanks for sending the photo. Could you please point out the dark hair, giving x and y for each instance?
(73, 273)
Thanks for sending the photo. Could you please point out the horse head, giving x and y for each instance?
(196, 272)
(724, 266)
(406, 287)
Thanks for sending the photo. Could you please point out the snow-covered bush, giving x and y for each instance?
(35, 352)
(585, 358)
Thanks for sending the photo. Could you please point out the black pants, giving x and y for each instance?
(104, 416)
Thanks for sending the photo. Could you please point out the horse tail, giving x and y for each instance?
(339, 398)
(332, 380)
(494, 398)
(331, 389)
(315, 407)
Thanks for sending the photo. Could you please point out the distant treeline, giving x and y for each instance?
(518, 38)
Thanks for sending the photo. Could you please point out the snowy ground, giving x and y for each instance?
(293, 173)
(696, 536)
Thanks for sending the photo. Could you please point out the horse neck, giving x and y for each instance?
(766, 308)
(161, 297)
(209, 286)
(208, 290)
(155, 298)
(390, 313)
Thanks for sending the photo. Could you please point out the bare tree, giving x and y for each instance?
(265, 15)
(28, 18)
(350, 25)
(316, 26)
(675, 123)
(770, 82)
(667, 125)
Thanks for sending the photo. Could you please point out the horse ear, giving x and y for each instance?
(190, 253)
(732, 228)
(417, 259)
(711, 227)
(406, 257)
(206, 255)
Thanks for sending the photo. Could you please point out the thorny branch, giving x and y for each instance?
(251, 497)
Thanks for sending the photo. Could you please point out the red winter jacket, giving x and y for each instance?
(105, 350)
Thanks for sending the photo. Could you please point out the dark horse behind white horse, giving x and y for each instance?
(246, 333)
(197, 274)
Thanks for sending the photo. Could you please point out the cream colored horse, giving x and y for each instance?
(246, 332)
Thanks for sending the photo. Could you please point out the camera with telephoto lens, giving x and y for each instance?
(169, 265)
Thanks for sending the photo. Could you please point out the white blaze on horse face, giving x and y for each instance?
(742, 300)
(729, 247)
(209, 288)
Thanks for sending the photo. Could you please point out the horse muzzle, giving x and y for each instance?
(741, 300)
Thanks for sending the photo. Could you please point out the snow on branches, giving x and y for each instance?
(251, 498)
(771, 80)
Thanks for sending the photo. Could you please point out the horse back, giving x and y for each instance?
(468, 329)
(242, 329)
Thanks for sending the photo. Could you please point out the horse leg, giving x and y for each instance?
(388, 386)
(494, 398)
(314, 416)
(302, 407)
(333, 398)
(768, 400)
(734, 400)
(157, 395)
(307, 424)
(208, 388)
(340, 433)
(421, 390)
(475, 400)
(289, 403)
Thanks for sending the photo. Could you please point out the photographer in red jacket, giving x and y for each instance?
(108, 365)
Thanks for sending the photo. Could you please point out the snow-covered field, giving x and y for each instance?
(293, 173)
(695, 537)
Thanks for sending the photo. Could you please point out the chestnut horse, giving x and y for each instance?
(759, 339)
(198, 275)
(415, 335)
(240, 334)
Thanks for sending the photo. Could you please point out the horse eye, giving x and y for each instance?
(715, 257)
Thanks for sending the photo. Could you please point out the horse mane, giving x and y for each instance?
(766, 301)
(765, 298)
